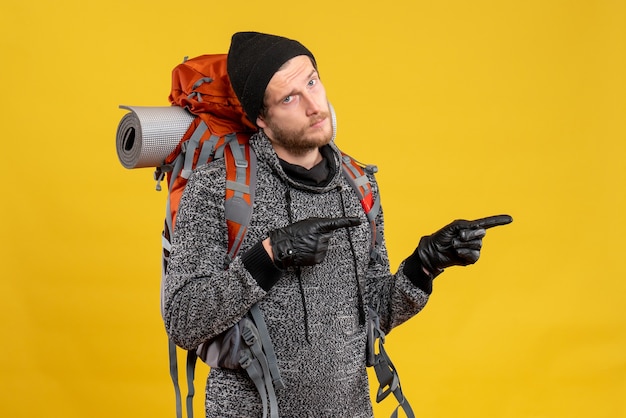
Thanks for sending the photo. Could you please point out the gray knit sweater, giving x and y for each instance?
(314, 315)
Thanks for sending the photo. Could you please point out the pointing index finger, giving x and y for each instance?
(329, 225)
(491, 221)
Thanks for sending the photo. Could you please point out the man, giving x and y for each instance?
(306, 257)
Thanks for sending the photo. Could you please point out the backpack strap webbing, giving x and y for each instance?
(174, 376)
(356, 174)
(192, 357)
(207, 151)
(257, 317)
(190, 149)
(190, 371)
(240, 163)
(386, 373)
(252, 366)
(254, 361)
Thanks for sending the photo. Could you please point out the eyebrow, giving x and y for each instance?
(311, 74)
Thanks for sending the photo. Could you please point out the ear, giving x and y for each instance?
(260, 122)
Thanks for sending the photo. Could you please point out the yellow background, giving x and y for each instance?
(469, 108)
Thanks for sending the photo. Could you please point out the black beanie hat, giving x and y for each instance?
(253, 59)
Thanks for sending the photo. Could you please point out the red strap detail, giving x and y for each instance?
(365, 192)
(367, 202)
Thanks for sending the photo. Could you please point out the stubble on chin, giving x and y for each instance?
(298, 141)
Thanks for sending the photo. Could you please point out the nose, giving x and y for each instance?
(312, 107)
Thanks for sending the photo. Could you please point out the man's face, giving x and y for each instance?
(297, 117)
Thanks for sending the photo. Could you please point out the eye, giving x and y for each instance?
(312, 82)
(287, 99)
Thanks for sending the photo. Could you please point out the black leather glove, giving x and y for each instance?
(457, 244)
(305, 243)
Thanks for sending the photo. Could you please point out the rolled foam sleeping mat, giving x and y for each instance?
(148, 134)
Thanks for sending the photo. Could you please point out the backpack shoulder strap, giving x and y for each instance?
(240, 162)
(357, 175)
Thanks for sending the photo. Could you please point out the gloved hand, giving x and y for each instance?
(305, 243)
(457, 244)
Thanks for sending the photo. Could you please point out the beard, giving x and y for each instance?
(297, 141)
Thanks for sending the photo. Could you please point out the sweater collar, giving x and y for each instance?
(321, 178)
(318, 175)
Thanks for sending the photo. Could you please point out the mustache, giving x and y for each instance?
(318, 118)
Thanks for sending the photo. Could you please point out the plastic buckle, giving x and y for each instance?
(248, 336)
(371, 169)
(245, 361)
(241, 163)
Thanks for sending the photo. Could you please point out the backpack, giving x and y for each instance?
(220, 129)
